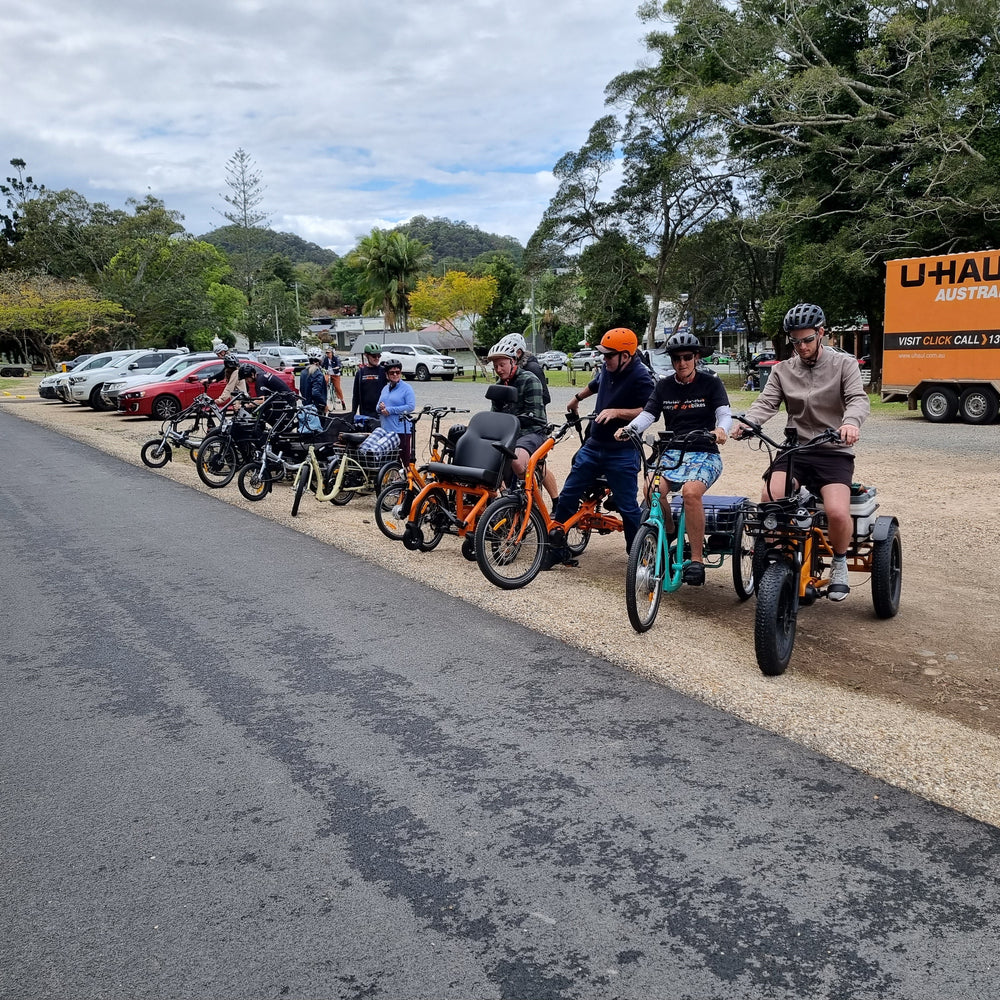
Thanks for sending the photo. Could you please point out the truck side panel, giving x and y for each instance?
(942, 320)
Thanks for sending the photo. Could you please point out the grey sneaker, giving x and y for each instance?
(839, 587)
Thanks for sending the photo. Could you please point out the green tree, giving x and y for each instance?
(44, 315)
(612, 290)
(247, 231)
(871, 129)
(167, 284)
(505, 314)
(18, 191)
(453, 297)
(389, 264)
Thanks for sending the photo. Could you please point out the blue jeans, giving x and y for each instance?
(620, 466)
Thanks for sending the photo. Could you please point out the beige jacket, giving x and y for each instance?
(830, 394)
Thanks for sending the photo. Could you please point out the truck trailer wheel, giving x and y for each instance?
(979, 405)
(939, 404)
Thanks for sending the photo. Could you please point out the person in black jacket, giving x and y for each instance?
(369, 381)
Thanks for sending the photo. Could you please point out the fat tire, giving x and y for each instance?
(887, 574)
(250, 485)
(775, 620)
(643, 588)
(149, 453)
(496, 552)
(743, 559)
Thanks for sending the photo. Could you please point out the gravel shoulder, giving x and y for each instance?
(912, 700)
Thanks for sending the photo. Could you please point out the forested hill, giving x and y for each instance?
(458, 240)
(296, 249)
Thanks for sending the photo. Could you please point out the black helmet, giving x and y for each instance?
(455, 432)
(230, 361)
(247, 370)
(804, 316)
(683, 342)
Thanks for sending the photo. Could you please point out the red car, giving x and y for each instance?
(164, 400)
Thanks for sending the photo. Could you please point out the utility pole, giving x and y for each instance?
(534, 335)
(277, 326)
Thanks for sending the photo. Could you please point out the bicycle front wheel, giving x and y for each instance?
(510, 543)
(643, 584)
(302, 481)
(251, 483)
(776, 618)
(390, 512)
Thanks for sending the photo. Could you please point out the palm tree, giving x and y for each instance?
(390, 263)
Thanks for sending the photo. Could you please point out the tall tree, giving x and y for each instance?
(17, 191)
(389, 264)
(248, 224)
(871, 128)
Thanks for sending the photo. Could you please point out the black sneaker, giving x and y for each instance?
(694, 574)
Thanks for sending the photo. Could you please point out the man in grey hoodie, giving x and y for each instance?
(820, 389)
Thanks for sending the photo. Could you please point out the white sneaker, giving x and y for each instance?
(839, 587)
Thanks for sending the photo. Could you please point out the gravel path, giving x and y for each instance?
(912, 700)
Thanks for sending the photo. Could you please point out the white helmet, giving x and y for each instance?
(315, 354)
(504, 348)
(512, 340)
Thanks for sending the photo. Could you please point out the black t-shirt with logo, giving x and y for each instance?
(689, 407)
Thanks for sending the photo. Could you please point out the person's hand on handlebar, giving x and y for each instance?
(849, 434)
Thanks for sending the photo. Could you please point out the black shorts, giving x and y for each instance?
(530, 442)
(819, 468)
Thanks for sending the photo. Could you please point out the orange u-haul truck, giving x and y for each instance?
(942, 335)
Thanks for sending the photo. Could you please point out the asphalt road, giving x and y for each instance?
(238, 763)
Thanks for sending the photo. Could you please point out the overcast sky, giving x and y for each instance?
(357, 113)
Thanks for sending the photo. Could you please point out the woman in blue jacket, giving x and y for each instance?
(397, 399)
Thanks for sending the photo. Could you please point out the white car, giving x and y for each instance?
(421, 362)
(57, 386)
(281, 357)
(86, 382)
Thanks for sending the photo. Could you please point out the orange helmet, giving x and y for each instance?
(618, 340)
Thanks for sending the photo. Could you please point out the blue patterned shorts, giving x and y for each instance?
(701, 465)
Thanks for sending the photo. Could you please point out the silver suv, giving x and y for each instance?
(586, 360)
(281, 356)
(421, 362)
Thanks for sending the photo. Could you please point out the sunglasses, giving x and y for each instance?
(799, 341)
(683, 357)
(394, 371)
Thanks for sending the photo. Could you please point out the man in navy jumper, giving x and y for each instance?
(622, 386)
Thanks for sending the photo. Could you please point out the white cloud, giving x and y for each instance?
(356, 113)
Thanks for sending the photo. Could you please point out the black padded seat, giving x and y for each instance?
(479, 458)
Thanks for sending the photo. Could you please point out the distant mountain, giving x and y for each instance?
(459, 240)
(296, 249)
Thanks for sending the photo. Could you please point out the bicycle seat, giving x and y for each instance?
(354, 438)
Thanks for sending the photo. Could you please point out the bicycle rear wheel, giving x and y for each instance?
(643, 585)
(510, 543)
(429, 523)
(217, 462)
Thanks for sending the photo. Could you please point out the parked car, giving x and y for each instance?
(586, 360)
(716, 358)
(421, 362)
(168, 368)
(660, 363)
(553, 359)
(68, 366)
(57, 386)
(86, 384)
(163, 400)
(281, 356)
